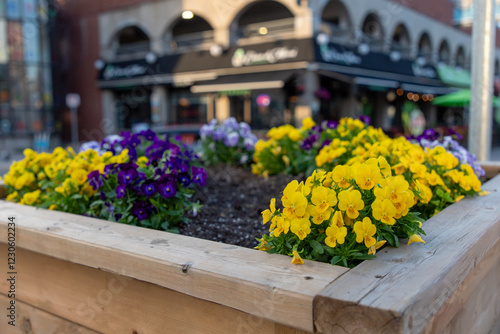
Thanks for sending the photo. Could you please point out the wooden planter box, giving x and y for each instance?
(83, 275)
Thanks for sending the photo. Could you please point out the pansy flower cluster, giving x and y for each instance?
(435, 173)
(57, 180)
(282, 153)
(292, 151)
(230, 142)
(343, 216)
(453, 146)
(153, 190)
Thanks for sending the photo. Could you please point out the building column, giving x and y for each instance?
(159, 102)
(308, 105)
(222, 107)
(109, 123)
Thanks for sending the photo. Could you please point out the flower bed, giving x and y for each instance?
(110, 277)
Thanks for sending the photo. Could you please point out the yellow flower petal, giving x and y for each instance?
(296, 258)
(415, 238)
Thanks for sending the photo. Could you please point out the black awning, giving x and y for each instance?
(377, 69)
(246, 81)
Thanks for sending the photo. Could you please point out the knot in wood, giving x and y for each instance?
(185, 267)
(26, 325)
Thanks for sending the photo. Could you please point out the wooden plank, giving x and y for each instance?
(240, 278)
(482, 308)
(402, 289)
(483, 278)
(491, 168)
(33, 320)
(496, 326)
(112, 303)
(282, 329)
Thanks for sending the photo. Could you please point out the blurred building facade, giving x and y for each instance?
(142, 63)
(26, 99)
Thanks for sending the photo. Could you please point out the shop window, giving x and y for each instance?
(191, 32)
(336, 22)
(3, 42)
(264, 18)
(187, 108)
(425, 49)
(268, 108)
(133, 107)
(444, 53)
(372, 32)
(460, 57)
(15, 40)
(132, 40)
(401, 41)
(13, 9)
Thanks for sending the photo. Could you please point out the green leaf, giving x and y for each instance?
(316, 246)
(335, 260)
(155, 203)
(45, 205)
(96, 203)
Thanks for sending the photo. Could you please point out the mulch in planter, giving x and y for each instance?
(233, 200)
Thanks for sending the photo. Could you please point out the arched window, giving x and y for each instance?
(336, 21)
(264, 18)
(460, 57)
(425, 48)
(194, 32)
(444, 53)
(373, 32)
(131, 40)
(401, 40)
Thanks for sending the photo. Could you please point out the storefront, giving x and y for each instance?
(356, 81)
(274, 83)
(257, 84)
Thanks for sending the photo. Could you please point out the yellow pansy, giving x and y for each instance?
(384, 211)
(367, 176)
(342, 176)
(31, 197)
(320, 217)
(295, 205)
(373, 249)
(334, 235)
(79, 176)
(308, 123)
(323, 198)
(282, 226)
(301, 227)
(365, 231)
(351, 203)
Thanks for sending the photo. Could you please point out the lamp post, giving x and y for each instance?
(483, 39)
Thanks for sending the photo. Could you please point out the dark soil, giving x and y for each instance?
(233, 200)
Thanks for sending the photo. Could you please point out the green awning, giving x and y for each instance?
(453, 76)
(459, 99)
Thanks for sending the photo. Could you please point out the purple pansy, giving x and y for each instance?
(148, 189)
(199, 175)
(121, 190)
(95, 180)
(167, 190)
(139, 210)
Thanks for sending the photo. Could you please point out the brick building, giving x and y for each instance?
(178, 63)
